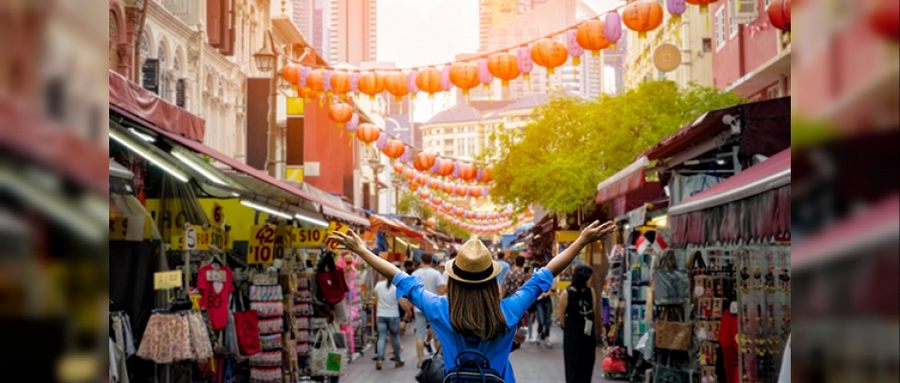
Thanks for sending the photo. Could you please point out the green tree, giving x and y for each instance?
(557, 160)
(410, 204)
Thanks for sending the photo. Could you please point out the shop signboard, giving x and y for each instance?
(194, 237)
(308, 237)
(338, 227)
(261, 248)
(165, 280)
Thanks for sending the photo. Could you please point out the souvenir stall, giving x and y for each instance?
(737, 237)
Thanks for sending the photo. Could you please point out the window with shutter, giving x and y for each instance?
(180, 93)
(214, 22)
(720, 28)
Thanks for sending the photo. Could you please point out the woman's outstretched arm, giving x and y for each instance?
(354, 243)
(590, 234)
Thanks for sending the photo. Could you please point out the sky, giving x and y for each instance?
(421, 32)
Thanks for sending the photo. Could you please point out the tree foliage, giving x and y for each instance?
(557, 160)
(410, 204)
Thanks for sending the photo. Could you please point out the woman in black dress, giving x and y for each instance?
(576, 315)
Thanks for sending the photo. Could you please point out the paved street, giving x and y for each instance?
(532, 364)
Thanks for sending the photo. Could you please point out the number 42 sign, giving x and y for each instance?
(261, 247)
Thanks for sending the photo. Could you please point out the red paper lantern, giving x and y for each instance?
(424, 161)
(398, 167)
(474, 191)
(434, 183)
(367, 132)
(549, 53)
(413, 186)
(487, 175)
(467, 172)
(459, 190)
(447, 187)
(777, 15)
(704, 4)
(424, 194)
(445, 167)
(340, 113)
(464, 75)
(642, 16)
(884, 19)
(437, 201)
(431, 223)
(591, 37)
(371, 83)
(394, 149)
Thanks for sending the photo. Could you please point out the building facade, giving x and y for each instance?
(691, 35)
(751, 57)
(341, 31)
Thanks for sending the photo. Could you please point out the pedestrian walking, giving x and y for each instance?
(576, 316)
(544, 313)
(388, 322)
(472, 321)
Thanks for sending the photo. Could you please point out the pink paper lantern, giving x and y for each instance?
(575, 50)
(676, 7)
(524, 60)
(411, 82)
(304, 71)
(484, 75)
(352, 124)
(445, 78)
(612, 28)
(327, 79)
(354, 82)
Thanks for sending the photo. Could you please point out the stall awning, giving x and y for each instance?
(764, 128)
(767, 175)
(875, 227)
(383, 223)
(129, 99)
(754, 204)
(626, 180)
(338, 209)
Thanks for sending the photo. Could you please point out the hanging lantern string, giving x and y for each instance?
(474, 57)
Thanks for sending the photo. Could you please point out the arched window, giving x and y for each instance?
(162, 54)
(113, 41)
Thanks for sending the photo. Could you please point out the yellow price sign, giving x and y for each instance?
(217, 236)
(119, 228)
(283, 240)
(261, 247)
(338, 227)
(195, 301)
(164, 280)
(309, 237)
(193, 237)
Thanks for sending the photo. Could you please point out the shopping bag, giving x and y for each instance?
(246, 325)
(670, 285)
(671, 332)
(326, 359)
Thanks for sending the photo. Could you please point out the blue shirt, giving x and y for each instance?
(437, 311)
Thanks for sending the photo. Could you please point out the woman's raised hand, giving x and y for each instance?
(350, 241)
(595, 231)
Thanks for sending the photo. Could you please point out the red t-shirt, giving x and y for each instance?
(214, 283)
(728, 328)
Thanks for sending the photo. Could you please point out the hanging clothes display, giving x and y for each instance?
(214, 283)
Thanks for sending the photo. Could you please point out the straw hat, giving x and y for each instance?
(473, 263)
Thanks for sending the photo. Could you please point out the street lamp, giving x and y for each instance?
(265, 57)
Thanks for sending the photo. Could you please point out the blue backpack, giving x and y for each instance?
(472, 367)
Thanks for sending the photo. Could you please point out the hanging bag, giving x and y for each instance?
(326, 358)
(671, 332)
(246, 325)
(670, 285)
(330, 283)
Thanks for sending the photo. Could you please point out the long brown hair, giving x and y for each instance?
(475, 309)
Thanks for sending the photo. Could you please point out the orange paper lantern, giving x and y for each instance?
(590, 36)
(291, 74)
(394, 149)
(396, 84)
(549, 53)
(371, 83)
(429, 80)
(315, 80)
(445, 167)
(340, 113)
(642, 16)
(487, 175)
(504, 66)
(398, 167)
(340, 82)
(447, 187)
(467, 172)
(431, 223)
(424, 161)
(367, 132)
(464, 75)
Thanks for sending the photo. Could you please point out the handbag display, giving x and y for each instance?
(326, 359)
(330, 282)
(672, 333)
(670, 285)
(246, 324)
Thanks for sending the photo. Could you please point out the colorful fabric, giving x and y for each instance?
(214, 283)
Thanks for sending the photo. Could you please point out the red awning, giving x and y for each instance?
(383, 223)
(35, 138)
(753, 204)
(129, 99)
(877, 226)
(767, 175)
(624, 181)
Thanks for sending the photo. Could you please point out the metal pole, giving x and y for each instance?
(273, 100)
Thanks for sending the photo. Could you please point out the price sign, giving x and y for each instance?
(193, 237)
(195, 301)
(309, 237)
(261, 249)
(283, 240)
(338, 227)
(164, 280)
(217, 236)
(190, 238)
(218, 215)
